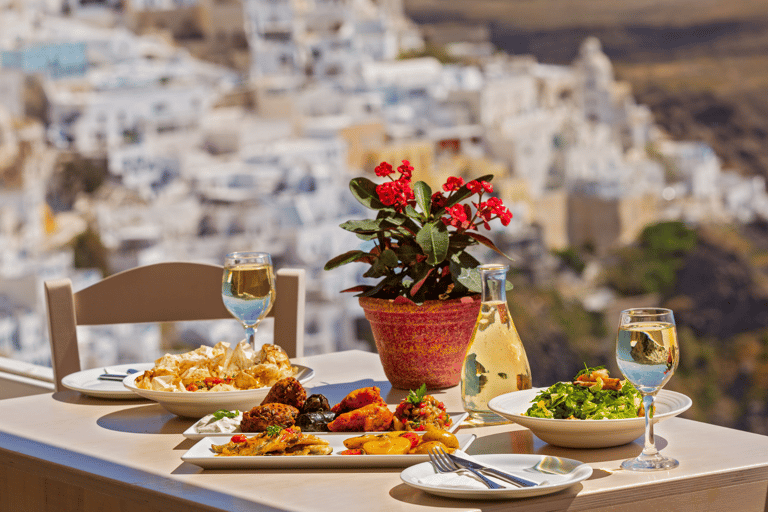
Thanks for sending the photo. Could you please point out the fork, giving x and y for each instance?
(443, 464)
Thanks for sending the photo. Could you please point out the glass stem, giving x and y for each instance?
(650, 444)
(250, 334)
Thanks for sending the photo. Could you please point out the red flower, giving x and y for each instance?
(453, 183)
(396, 193)
(406, 169)
(387, 193)
(478, 187)
(458, 216)
(491, 209)
(497, 207)
(438, 201)
(384, 169)
(485, 214)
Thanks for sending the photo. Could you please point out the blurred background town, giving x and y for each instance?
(629, 138)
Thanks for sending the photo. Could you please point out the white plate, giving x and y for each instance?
(192, 433)
(202, 455)
(87, 382)
(513, 464)
(585, 433)
(198, 404)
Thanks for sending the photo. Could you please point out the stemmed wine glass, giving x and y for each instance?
(248, 288)
(647, 354)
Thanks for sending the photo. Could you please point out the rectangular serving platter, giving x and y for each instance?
(202, 455)
(192, 433)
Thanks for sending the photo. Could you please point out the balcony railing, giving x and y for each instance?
(18, 378)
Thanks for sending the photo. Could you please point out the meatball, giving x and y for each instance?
(287, 391)
(267, 415)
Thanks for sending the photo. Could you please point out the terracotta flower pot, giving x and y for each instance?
(422, 344)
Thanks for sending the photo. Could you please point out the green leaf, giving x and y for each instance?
(347, 257)
(410, 211)
(389, 258)
(362, 226)
(433, 239)
(469, 278)
(364, 190)
(407, 253)
(423, 195)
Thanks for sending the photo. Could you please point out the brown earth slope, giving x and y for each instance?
(702, 66)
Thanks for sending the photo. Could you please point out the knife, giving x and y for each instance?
(493, 471)
(117, 376)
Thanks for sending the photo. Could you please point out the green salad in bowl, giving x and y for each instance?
(591, 395)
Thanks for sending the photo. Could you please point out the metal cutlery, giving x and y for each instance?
(471, 465)
(107, 375)
(443, 464)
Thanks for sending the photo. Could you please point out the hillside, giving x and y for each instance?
(702, 66)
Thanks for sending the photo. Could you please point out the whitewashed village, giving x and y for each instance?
(227, 125)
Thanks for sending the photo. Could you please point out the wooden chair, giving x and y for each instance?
(163, 292)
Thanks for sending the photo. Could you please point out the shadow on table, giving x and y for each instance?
(414, 496)
(145, 419)
(74, 397)
(523, 441)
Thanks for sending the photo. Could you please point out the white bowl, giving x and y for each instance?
(195, 404)
(585, 433)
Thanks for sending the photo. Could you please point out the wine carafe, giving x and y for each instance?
(495, 362)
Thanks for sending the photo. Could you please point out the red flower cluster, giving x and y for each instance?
(460, 216)
(399, 193)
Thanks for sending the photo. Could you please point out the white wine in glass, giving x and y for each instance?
(647, 353)
(248, 288)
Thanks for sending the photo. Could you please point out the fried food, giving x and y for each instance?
(400, 443)
(372, 417)
(261, 417)
(287, 441)
(287, 391)
(218, 368)
(592, 378)
(359, 398)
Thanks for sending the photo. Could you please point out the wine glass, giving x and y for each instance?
(248, 288)
(647, 354)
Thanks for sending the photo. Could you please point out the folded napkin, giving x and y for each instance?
(459, 480)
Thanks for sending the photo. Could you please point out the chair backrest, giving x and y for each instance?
(163, 292)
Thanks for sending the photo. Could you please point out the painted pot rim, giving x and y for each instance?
(402, 303)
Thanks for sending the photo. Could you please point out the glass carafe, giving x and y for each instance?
(495, 362)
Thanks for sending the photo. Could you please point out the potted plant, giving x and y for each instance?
(424, 307)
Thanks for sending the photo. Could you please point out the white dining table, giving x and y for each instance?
(68, 452)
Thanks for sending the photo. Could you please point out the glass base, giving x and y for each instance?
(654, 463)
(482, 419)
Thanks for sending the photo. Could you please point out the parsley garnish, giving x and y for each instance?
(273, 430)
(416, 397)
(221, 413)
